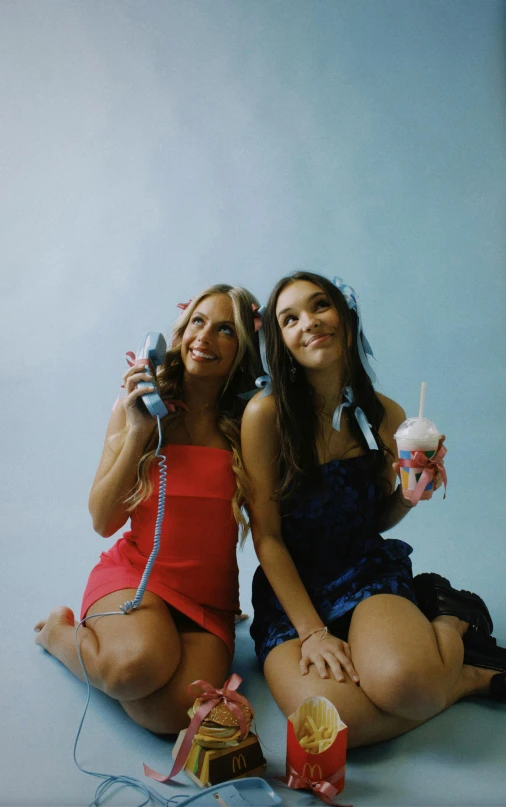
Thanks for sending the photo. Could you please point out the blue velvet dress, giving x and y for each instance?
(330, 531)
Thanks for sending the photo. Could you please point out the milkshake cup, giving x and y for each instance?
(416, 437)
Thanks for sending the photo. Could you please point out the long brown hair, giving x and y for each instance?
(295, 399)
(244, 371)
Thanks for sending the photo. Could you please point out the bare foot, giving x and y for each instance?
(46, 629)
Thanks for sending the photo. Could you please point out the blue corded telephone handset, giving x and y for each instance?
(152, 348)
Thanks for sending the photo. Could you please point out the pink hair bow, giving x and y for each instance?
(211, 697)
(183, 306)
(323, 788)
(430, 467)
(257, 317)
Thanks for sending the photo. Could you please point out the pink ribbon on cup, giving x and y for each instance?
(323, 788)
(430, 465)
(211, 697)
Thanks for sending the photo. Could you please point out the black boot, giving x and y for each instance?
(498, 688)
(483, 651)
(437, 597)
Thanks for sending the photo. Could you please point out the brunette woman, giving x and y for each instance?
(335, 605)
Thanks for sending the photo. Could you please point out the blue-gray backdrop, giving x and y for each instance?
(151, 147)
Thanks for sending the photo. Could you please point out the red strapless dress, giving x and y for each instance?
(196, 568)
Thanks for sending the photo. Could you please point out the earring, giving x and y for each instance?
(292, 372)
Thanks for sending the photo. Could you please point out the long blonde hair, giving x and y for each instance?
(245, 369)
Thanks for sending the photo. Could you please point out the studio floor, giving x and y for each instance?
(455, 759)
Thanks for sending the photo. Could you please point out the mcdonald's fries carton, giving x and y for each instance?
(316, 747)
(211, 766)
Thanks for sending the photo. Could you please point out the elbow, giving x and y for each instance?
(105, 527)
(383, 523)
(381, 527)
(105, 522)
(265, 544)
(102, 528)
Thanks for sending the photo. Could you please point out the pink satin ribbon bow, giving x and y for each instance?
(183, 306)
(211, 697)
(323, 788)
(430, 466)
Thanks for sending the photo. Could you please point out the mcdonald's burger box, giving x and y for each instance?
(217, 745)
(211, 766)
(220, 750)
(316, 748)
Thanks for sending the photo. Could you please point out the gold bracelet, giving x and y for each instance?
(324, 632)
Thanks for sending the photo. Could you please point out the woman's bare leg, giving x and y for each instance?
(409, 671)
(408, 666)
(127, 656)
(139, 658)
(203, 656)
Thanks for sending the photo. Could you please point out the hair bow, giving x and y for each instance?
(263, 382)
(360, 417)
(364, 348)
(183, 306)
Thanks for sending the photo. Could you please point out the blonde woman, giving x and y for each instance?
(184, 628)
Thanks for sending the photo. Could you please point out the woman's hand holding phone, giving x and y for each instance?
(138, 418)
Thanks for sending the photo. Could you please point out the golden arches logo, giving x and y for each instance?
(238, 762)
(311, 774)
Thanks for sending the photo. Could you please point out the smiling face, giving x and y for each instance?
(209, 345)
(310, 325)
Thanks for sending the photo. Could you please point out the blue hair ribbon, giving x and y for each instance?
(364, 348)
(361, 419)
(263, 382)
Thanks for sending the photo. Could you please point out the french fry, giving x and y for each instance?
(313, 725)
(317, 738)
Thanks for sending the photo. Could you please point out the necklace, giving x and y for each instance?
(328, 418)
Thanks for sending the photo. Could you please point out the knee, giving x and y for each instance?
(135, 675)
(413, 693)
(170, 716)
